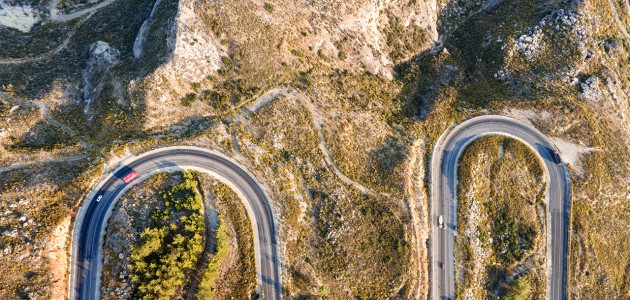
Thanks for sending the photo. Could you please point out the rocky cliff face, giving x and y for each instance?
(367, 36)
(334, 105)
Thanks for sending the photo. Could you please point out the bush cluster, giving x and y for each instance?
(189, 99)
(511, 239)
(519, 290)
(231, 274)
(207, 286)
(171, 247)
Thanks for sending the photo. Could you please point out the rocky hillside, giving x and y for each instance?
(333, 105)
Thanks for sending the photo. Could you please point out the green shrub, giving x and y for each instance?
(403, 40)
(511, 238)
(196, 86)
(206, 287)
(169, 249)
(216, 99)
(268, 7)
(519, 290)
(189, 99)
(297, 53)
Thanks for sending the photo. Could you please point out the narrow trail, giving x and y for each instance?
(50, 119)
(262, 101)
(622, 27)
(57, 17)
(318, 121)
(49, 54)
(45, 111)
(35, 162)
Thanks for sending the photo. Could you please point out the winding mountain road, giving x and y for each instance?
(444, 201)
(89, 229)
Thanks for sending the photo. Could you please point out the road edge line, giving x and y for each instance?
(438, 142)
(567, 193)
(78, 221)
(129, 159)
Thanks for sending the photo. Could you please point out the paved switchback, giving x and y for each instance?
(89, 228)
(444, 201)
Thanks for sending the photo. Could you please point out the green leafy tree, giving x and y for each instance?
(520, 290)
(167, 251)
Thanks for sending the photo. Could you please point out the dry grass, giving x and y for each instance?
(33, 201)
(320, 249)
(323, 49)
(236, 276)
(499, 179)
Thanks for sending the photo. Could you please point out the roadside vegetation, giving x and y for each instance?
(231, 273)
(170, 248)
(208, 284)
(501, 240)
(159, 244)
(563, 66)
(35, 200)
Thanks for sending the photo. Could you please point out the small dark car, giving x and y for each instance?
(556, 156)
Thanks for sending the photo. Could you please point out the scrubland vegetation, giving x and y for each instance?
(501, 240)
(340, 241)
(171, 247)
(333, 227)
(211, 275)
(231, 273)
(157, 242)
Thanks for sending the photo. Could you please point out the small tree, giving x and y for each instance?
(268, 7)
(520, 290)
(189, 99)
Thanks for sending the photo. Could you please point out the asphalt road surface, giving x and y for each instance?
(444, 201)
(87, 238)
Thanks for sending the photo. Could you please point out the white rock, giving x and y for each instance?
(20, 17)
(103, 55)
(590, 89)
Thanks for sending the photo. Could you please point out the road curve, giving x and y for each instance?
(89, 228)
(444, 201)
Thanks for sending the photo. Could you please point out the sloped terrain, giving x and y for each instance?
(333, 105)
(502, 221)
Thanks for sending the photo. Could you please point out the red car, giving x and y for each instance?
(129, 177)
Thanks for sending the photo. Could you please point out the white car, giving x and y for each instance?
(441, 221)
(98, 199)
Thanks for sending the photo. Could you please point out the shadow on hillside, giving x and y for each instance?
(117, 110)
